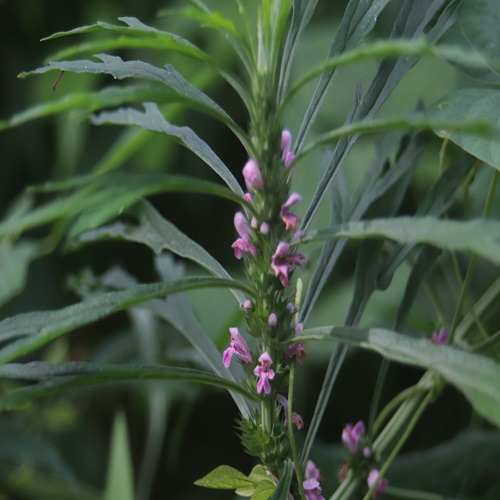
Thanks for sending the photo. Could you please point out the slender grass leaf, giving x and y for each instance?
(301, 15)
(358, 20)
(119, 480)
(158, 234)
(390, 49)
(476, 376)
(470, 104)
(62, 377)
(35, 329)
(153, 119)
(478, 236)
(416, 16)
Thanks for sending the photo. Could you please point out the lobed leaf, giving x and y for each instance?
(476, 376)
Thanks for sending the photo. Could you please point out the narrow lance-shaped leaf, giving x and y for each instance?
(153, 119)
(63, 377)
(138, 35)
(481, 237)
(476, 376)
(158, 234)
(94, 101)
(35, 329)
(116, 192)
(120, 69)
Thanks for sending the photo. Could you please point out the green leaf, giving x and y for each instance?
(117, 192)
(468, 105)
(283, 487)
(32, 330)
(153, 119)
(224, 477)
(442, 469)
(258, 476)
(476, 376)
(216, 21)
(474, 124)
(138, 35)
(158, 234)
(14, 262)
(358, 20)
(478, 236)
(120, 69)
(412, 21)
(119, 481)
(54, 378)
(93, 101)
(476, 29)
(178, 312)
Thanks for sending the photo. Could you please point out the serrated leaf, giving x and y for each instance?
(153, 119)
(54, 378)
(470, 104)
(32, 330)
(478, 236)
(119, 481)
(476, 376)
(224, 477)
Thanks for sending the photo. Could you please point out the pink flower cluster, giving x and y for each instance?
(351, 436)
(311, 485)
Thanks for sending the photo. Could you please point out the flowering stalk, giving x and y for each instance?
(264, 247)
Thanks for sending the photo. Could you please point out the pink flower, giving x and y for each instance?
(248, 198)
(253, 175)
(296, 351)
(284, 262)
(264, 228)
(242, 244)
(311, 484)
(237, 346)
(296, 418)
(264, 372)
(286, 143)
(272, 320)
(373, 478)
(288, 217)
(440, 338)
(351, 435)
(247, 304)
